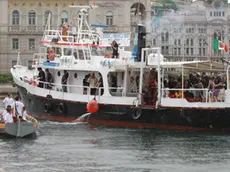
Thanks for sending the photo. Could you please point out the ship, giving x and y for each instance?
(134, 91)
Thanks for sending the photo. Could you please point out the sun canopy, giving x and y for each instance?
(198, 66)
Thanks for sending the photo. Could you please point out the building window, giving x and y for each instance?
(167, 36)
(175, 51)
(187, 51)
(191, 42)
(109, 18)
(175, 42)
(15, 44)
(31, 44)
(179, 51)
(64, 17)
(15, 17)
(191, 51)
(167, 50)
(204, 52)
(47, 13)
(32, 17)
(178, 41)
(211, 13)
(162, 49)
(223, 13)
(154, 41)
(162, 37)
(200, 51)
(13, 63)
(187, 42)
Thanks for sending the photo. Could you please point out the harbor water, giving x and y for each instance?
(79, 147)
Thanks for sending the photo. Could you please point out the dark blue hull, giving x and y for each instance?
(128, 116)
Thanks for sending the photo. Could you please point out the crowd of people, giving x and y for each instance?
(215, 83)
(14, 110)
(94, 83)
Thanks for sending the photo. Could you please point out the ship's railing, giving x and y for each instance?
(82, 90)
(84, 36)
(194, 94)
(49, 35)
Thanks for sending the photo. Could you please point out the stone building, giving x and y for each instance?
(22, 22)
(187, 32)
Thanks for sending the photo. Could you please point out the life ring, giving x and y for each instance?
(47, 107)
(51, 55)
(107, 56)
(136, 113)
(62, 108)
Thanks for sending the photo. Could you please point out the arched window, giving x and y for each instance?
(32, 17)
(47, 13)
(109, 18)
(64, 17)
(15, 17)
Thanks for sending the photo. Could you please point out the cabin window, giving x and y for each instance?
(58, 51)
(75, 75)
(67, 51)
(15, 17)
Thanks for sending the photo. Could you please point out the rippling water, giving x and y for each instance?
(84, 148)
(80, 147)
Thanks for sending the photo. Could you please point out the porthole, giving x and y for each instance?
(75, 75)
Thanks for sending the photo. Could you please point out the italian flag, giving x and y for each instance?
(218, 45)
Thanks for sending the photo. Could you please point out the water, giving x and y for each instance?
(79, 147)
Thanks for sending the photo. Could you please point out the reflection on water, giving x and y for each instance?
(80, 147)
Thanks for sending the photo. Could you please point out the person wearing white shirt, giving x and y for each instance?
(24, 113)
(18, 106)
(8, 118)
(8, 101)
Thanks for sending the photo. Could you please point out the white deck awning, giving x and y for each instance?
(195, 65)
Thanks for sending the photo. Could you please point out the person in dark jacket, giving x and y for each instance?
(114, 46)
(49, 79)
(64, 81)
(41, 77)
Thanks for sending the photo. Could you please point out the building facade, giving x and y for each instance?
(187, 32)
(22, 23)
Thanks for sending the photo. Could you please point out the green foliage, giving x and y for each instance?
(6, 78)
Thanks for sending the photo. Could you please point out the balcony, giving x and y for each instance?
(27, 29)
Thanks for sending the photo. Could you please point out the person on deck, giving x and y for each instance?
(100, 84)
(8, 118)
(152, 85)
(114, 46)
(64, 81)
(92, 80)
(49, 79)
(132, 87)
(41, 77)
